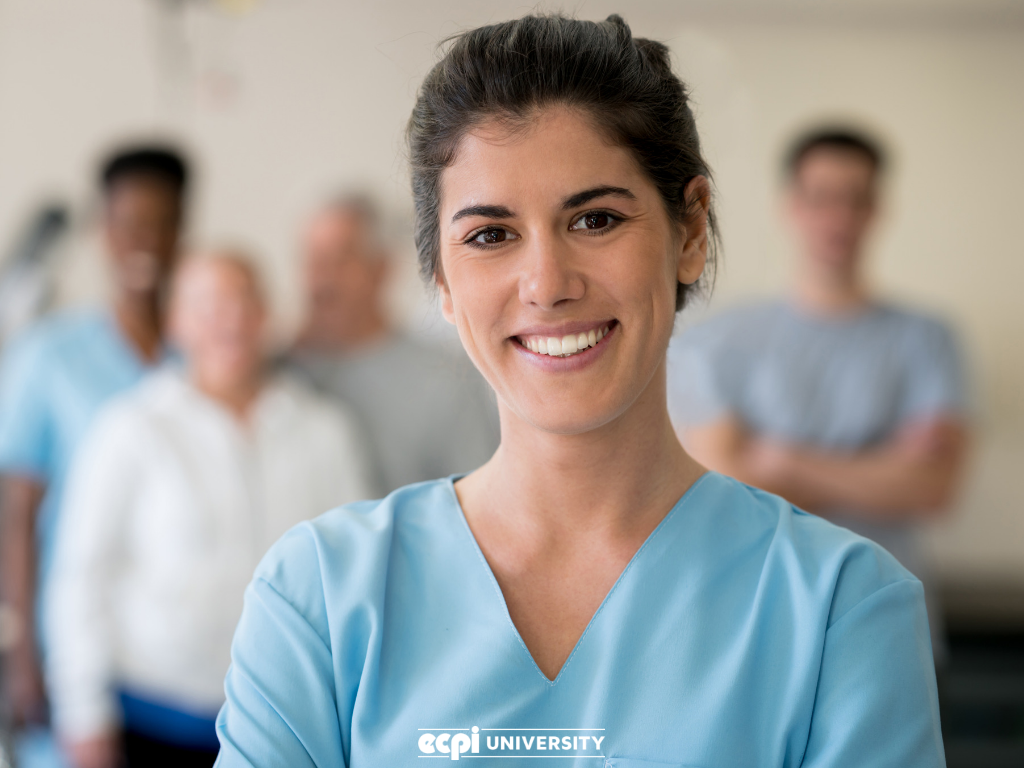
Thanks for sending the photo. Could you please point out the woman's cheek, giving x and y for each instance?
(471, 321)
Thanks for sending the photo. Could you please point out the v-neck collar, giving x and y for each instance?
(450, 484)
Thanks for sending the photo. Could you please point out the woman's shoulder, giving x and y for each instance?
(294, 406)
(799, 553)
(162, 398)
(352, 543)
(133, 413)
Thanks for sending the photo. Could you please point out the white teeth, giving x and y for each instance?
(569, 344)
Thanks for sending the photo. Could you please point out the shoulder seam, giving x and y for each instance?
(877, 592)
(294, 607)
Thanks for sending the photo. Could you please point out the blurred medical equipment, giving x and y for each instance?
(27, 283)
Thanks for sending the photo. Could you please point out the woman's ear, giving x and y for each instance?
(447, 307)
(694, 246)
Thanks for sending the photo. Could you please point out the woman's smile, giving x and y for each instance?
(566, 345)
(565, 352)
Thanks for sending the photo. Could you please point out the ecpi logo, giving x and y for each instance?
(456, 743)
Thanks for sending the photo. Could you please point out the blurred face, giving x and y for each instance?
(560, 266)
(832, 201)
(142, 221)
(217, 319)
(344, 269)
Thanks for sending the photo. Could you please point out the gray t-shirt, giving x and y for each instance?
(425, 411)
(835, 383)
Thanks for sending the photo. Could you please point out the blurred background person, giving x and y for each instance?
(425, 410)
(178, 491)
(55, 377)
(846, 405)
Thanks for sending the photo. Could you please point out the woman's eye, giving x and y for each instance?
(491, 237)
(594, 221)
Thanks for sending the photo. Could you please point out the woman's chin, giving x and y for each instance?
(568, 416)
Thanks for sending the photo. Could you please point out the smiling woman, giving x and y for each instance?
(590, 593)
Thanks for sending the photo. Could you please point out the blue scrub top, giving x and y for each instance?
(53, 380)
(743, 632)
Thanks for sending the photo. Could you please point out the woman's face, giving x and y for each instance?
(560, 265)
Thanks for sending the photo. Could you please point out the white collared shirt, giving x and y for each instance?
(171, 503)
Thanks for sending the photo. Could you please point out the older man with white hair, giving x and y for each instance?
(179, 490)
(425, 410)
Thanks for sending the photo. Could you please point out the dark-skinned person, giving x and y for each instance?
(55, 377)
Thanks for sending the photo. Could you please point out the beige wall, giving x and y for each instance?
(300, 97)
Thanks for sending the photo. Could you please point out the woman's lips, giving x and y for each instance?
(568, 344)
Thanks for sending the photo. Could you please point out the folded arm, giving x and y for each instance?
(914, 474)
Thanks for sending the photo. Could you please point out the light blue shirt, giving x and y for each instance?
(53, 380)
(742, 633)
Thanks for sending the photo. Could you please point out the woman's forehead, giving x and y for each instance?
(557, 154)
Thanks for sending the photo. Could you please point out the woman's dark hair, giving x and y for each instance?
(509, 70)
(842, 138)
(162, 163)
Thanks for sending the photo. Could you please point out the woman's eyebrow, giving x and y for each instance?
(489, 211)
(581, 198)
(578, 199)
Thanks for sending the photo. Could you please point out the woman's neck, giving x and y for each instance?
(616, 478)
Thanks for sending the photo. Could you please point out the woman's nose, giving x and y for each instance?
(549, 275)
